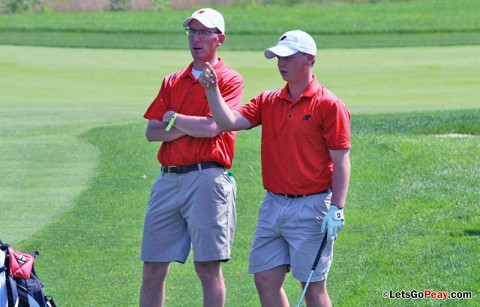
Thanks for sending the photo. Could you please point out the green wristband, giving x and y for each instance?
(170, 123)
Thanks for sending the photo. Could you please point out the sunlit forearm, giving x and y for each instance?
(156, 132)
(341, 176)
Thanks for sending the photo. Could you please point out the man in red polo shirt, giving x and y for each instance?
(305, 170)
(192, 203)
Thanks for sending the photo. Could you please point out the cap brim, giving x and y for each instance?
(281, 51)
(203, 21)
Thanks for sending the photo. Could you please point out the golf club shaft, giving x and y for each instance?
(314, 266)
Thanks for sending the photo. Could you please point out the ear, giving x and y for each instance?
(221, 39)
(310, 59)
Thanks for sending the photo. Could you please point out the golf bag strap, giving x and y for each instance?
(3, 268)
(5, 250)
(4, 247)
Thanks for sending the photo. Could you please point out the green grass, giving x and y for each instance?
(74, 154)
(411, 219)
(417, 23)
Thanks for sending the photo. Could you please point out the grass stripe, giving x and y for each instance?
(176, 41)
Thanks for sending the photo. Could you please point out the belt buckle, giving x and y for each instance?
(169, 169)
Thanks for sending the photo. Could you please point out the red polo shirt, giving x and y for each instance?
(296, 137)
(182, 93)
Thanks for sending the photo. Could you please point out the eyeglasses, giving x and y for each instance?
(202, 33)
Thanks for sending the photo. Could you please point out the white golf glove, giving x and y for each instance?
(333, 221)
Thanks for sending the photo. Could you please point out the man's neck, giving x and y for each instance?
(296, 88)
(200, 65)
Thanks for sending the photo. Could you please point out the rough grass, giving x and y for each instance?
(411, 217)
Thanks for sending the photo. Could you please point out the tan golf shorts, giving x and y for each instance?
(288, 233)
(194, 211)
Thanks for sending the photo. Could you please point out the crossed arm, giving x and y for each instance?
(195, 126)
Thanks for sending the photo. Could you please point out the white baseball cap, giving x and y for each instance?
(290, 43)
(207, 17)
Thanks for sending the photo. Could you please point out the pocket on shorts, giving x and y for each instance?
(221, 185)
(320, 207)
(233, 183)
(228, 184)
(267, 211)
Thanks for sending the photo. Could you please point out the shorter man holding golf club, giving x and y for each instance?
(305, 169)
(192, 203)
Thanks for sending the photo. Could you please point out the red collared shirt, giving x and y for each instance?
(182, 93)
(297, 136)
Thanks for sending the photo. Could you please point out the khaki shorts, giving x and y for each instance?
(288, 233)
(193, 210)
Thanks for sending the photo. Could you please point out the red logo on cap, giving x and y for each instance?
(200, 12)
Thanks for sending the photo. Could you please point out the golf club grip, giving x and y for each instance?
(320, 251)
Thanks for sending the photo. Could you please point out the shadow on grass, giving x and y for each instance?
(472, 232)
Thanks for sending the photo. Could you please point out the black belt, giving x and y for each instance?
(188, 168)
(288, 196)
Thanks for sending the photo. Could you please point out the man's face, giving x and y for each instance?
(203, 44)
(294, 67)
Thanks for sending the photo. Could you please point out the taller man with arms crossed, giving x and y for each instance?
(305, 170)
(192, 203)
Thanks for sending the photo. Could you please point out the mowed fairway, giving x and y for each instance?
(74, 156)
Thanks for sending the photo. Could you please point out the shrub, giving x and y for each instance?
(20, 6)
